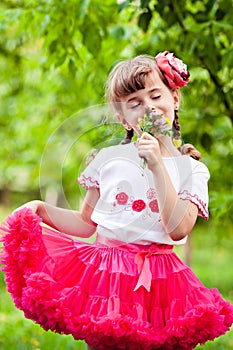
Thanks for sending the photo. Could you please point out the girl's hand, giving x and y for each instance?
(149, 148)
(33, 205)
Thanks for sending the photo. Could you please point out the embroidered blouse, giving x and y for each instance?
(127, 209)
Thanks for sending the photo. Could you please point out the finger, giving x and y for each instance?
(146, 148)
(146, 136)
(29, 205)
(147, 141)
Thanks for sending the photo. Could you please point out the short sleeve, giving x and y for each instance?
(89, 178)
(195, 188)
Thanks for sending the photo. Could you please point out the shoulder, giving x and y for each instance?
(196, 165)
(99, 158)
(199, 167)
(114, 151)
(188, 167)
(121, 148)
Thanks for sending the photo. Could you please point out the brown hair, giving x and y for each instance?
(129, 76)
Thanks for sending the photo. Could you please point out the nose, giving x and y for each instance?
(147, 103)
(150, 107)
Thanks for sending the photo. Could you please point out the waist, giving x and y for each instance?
(154, 248)
(137, 235)
(143, 254)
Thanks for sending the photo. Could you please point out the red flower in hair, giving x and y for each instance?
(174, 70)
(138, 205)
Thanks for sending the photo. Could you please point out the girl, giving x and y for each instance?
(127, 290)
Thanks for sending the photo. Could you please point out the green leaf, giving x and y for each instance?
(91, 37)
(72, 67)
(82, 9)
(118, 32)
(123, 5)
(144, 20)
(144, 3)
(206, 141)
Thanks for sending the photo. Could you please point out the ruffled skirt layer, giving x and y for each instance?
(88, 290)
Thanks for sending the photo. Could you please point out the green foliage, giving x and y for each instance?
(54, 59)
(27, 335)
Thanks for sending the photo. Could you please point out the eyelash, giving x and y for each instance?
(135, 106)
(138, 104)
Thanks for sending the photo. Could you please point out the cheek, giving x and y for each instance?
(170, 104)
(168, 109)
(132, 116)
(171, 116)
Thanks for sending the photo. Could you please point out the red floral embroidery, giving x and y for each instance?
(154, 206)
(122, 198)
(151, 193)
(138, 205)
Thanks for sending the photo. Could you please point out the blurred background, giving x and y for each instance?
(55, 56)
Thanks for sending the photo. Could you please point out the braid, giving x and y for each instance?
(128, 136)
(190, 150)
(176, 126)
(186, 149)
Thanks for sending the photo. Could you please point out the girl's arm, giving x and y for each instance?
(71, 222)
(178, 215)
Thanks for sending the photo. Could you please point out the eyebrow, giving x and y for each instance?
(154, 89)
(132, 99)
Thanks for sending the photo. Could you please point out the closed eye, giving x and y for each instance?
(155, 97)
(135, 105)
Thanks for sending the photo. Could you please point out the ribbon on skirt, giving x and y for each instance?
(143, 253)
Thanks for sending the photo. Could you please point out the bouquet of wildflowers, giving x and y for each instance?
(154, 124)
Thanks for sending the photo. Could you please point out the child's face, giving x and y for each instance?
(156, 95)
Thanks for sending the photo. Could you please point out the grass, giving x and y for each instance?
(211, 261)
(18, 333)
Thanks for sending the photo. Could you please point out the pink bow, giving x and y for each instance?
(142, 259)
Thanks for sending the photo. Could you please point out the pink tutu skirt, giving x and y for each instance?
(112, 296)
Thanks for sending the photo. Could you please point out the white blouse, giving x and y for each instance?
(127, 209)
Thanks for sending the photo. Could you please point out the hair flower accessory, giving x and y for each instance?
(174, 70)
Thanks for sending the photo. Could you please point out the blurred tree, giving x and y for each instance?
(54, 59)
(200, 32)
